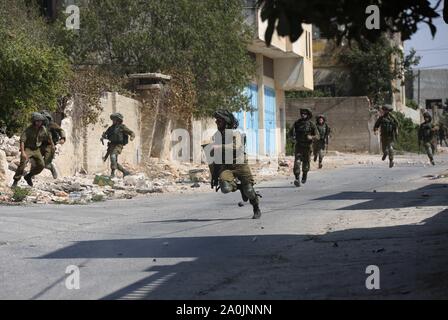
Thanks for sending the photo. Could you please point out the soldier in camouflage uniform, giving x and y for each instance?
(231, 170)
(118, 135)
(389, 132)
(58, 137)
(31, 141)
(442, 134)
(427, 135)
(304, 132)
(321, 144)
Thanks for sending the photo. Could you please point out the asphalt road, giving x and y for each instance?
(314, 242)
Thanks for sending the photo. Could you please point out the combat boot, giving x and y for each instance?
(304, 177)
(320, 165)
(54, 173)
(257, 212)
(28, 180)
(112, 174)
(391, 163)
(384, 156)
(126, 173)
(15, 184)
(297, 181)
(432, 162)
(315, 158)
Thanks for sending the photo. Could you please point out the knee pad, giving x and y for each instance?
(226, 187)
(249, 191)
(113, 161)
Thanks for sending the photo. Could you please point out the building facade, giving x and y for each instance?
(282, 66)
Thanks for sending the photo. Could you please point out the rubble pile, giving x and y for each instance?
(155, 177)
(9, 159)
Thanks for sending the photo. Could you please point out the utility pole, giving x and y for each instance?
(418, 88)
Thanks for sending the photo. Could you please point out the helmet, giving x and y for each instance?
(427, 115)
(387, 107)
(228, 117)
(47, 115)
(321, 116)
(117, 116)
(36, 116)
(306, 111)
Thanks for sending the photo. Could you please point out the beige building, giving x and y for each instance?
(280, 67)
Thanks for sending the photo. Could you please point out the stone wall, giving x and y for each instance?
(83, 150)
(350, 119)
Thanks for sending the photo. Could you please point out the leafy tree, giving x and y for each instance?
(199, 40)
(32, 72)
(346, 19)
(371, 69)
(407, 134)
(412, 104)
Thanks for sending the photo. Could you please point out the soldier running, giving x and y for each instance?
(442, 134)
(304, 132)
(321, 144)
(388, 125)
(230, 170)
(118, 135)
(58, 137)
(427, 134)
(31, 142)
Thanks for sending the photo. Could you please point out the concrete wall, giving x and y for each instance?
(350, 119)
(83, 150)
(433, 85)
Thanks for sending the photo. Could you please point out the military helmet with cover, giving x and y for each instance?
(306, 111)
(321, 116)
(228, 117)
(36, 116)
(387, 107)
(427, 115)
(116, 116)
(48, 117)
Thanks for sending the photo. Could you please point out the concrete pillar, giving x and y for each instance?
(151, 89)
(260, 83)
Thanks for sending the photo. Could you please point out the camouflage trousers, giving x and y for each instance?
(49, 154)
(302, 158)
(243, 173)
(318, 150)
(430, 149)
(387, 146)
(114, 150)
(37, 163)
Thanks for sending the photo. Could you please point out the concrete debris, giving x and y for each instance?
(155, 176)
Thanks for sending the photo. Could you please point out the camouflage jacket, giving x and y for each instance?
(304, 131)
(33, 138)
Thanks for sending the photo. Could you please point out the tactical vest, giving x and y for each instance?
(388, 126)
(427, 132)
(302, 129)
(323, 131)
(116, 136)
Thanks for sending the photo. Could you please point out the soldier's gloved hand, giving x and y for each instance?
(132, 138)
(309, 137)
(62, 141)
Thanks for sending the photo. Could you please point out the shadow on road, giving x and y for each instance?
(194, 220)
(393, 200)
(413, 259)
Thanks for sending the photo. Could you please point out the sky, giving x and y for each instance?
(434, 52)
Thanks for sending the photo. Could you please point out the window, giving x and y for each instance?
(268, 67)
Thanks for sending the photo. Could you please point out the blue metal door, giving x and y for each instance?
(270, 123)
(252, 121)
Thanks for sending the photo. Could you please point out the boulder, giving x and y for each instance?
(3, 170)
